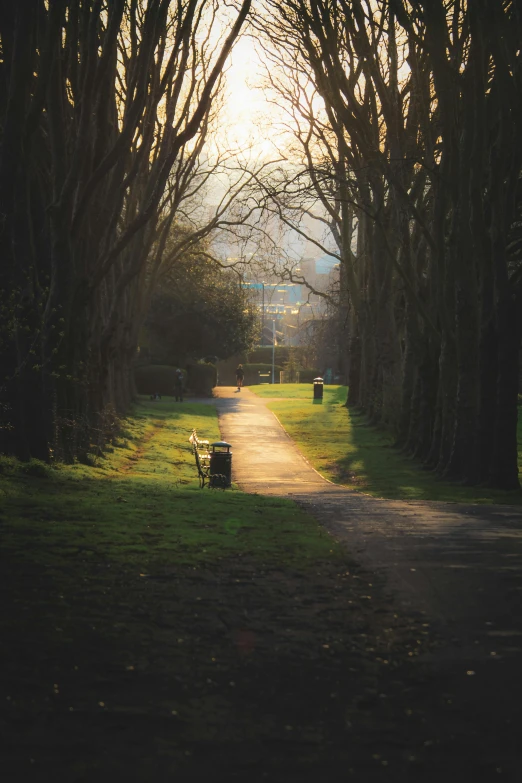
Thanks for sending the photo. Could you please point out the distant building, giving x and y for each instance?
(325, 264)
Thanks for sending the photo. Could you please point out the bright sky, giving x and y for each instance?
(247, 115)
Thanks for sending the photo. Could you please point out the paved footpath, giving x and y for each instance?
(459, 565)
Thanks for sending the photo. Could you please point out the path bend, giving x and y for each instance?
(459, 564)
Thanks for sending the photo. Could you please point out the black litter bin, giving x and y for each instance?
(221, 461)
(318, 388)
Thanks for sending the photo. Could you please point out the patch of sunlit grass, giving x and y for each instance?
(345, 449)
(142, 504)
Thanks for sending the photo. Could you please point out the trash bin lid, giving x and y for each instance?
(222, 444)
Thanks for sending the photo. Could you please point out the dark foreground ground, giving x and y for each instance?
(241, 674)
(395, 657)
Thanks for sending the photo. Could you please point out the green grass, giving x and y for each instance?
(152, 630)
(346, 450)
(142, 505)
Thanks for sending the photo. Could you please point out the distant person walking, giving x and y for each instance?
(178, 386)
(240, 375)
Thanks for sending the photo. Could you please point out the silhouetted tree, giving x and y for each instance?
(99, 99)
(423, 102)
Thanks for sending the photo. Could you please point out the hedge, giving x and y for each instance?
(201, 379)
(252, 372)
(155, 379)
(263, 354)
(307, 376)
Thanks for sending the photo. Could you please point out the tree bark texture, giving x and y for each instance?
(98, 102)
(425, 102)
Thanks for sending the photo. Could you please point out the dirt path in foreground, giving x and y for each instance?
(238, 670)
(458, 566)
(241, 671)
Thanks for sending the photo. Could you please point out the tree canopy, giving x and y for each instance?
(199, 311)
(104, 105)
(406, 124)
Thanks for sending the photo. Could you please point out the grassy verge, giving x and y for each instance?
(142, 505)
(151, 630)
(343, 448)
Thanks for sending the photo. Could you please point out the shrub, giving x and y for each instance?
(8, 465)
(109, 425)
(11, 466)
(252, 372)
(291, 368)
(35, 467)
(201, 379)
(89, 459)
(263, 354)
(307, 376)
(155, 379)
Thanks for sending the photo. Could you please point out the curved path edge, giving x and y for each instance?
(461, 565)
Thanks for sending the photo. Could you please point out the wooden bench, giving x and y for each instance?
(201, 450)
(202, 457)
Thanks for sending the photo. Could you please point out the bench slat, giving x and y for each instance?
(202, 457)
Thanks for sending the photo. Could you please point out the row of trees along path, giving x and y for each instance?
(413, 152)
(407, 122)
(105, 107)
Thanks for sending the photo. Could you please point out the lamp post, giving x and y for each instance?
(263, 317)
(273, 352)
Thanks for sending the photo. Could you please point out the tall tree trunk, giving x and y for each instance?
(504, 469)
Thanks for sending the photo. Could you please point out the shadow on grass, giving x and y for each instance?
(162, 632)
(341, 444)
(152, 630)
(147, 521)
(169, 408)
(380, 469)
